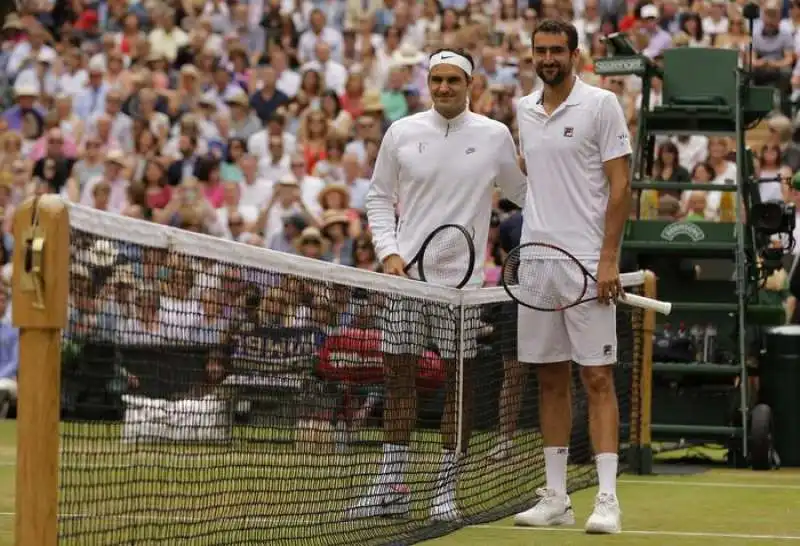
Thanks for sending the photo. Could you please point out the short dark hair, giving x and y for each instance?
(457, 51)
(555, 26)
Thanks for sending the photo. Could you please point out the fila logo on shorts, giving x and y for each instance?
(568, 132)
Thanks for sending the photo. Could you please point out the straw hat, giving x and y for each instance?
(208, 99)
(190, 70)
(407, 55)
(309, 235)
(116, 156)
(341, 189)
(371, 102)
(26, 89)
(239, 98)
(13, 22)
(288, 180)
(334, 216)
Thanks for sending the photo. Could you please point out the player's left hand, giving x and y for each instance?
(609, 285)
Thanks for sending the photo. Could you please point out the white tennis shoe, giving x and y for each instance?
(382, 500)
(551, 510)
(606, 519)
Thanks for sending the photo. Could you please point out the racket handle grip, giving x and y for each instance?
(662, 307)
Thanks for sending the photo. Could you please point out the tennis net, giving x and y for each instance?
(217, 393)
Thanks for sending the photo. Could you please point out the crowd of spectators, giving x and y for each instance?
(259, 121)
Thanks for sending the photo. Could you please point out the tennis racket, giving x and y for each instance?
(548, 278)
(446, 257)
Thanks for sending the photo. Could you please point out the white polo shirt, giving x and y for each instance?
(564, 154)
(440, 171)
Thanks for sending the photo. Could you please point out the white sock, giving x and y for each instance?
(555, 464)
(446, 480)
(607, 472)
(395, 460)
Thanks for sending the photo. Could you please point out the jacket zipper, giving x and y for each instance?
(447, 132)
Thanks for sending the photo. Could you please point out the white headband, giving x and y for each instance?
(450, 57)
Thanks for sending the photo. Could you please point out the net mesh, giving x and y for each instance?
(216, 393)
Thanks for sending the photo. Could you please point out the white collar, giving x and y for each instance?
(452, 124)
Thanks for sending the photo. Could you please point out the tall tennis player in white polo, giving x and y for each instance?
(441, 166)
(575, 144)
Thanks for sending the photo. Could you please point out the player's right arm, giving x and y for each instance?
(379, 203)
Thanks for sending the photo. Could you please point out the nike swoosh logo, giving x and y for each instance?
(447, 57)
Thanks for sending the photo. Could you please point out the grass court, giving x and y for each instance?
(163, 491)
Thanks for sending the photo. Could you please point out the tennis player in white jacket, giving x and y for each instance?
(441, 166)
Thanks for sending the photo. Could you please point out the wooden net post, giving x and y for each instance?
(40, 291)
(646, 380)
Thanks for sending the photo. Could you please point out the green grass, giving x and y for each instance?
(251, 490)
(215, 495)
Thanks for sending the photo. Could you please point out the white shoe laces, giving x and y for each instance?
(605, 505)
(547, 495)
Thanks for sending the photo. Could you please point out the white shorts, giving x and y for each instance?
(411, 326)
(585, 334)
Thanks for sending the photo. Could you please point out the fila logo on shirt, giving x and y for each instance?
(568, 132)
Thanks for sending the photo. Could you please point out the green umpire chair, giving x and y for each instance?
(699, 94)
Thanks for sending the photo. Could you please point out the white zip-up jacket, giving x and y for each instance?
(440, 171)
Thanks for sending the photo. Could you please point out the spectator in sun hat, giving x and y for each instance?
(25, 95)
(40, 73)
(647, 21)
(335, 228)
(244, 122)
(337, 197)
(286, 200)
(93, 97)
(113, 175)
(372, 107)
(312, 244)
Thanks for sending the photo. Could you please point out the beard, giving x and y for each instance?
(554, 78)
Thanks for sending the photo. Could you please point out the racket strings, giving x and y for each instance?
(544, 278)
(447, 257)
